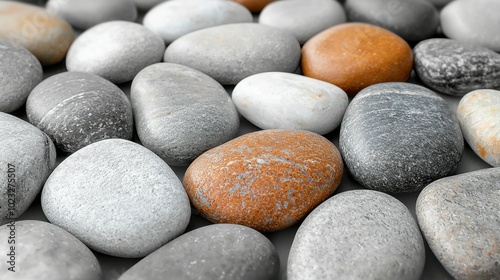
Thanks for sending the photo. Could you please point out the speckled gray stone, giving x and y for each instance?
(455, 68)
(115, 50)
(20, 72)
(27, 156)
(214, 252)
(232, 52)
(118, 198)
(361, 234)
(180, 112)
(399, 137)
(460, 220)
(76, 109)
(46, 252)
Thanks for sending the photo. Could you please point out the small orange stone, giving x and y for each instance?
(267, 180)
(254, 5)
(353, 56)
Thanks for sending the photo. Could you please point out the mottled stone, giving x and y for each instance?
(232, 52)
(27, 156)
(356, 55)
(215, 252)
(456, 68)
(45, 252)
(20, 72)
(118, 198)
(267, 180)
(359, 234)
(459, 218)
(254, 5)
(174, 19)
(288, 101)
(479, 116)
(43, 34)
(77, 109)
(181, 113)
(303, 19)
(115, 50)
(398, 137)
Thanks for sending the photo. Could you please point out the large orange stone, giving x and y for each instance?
(267, 180)
(353, 56)
(254, 5)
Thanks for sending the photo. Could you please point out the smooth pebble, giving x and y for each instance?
(254, 5)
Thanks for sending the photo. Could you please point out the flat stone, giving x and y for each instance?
(215, 252)
(118, 198)
(275, 100)
(43, 34)
(459, 218)
(456, 68)
(20, 72)
(303, 19)
(232, 52)
(360, 234)
(353, 56)
(115, 50)
(399, 137)
(46, 252)
(254, 5)
(479, 116)
(473, 21)
(180, 112)
(174, 19)
(267, 180)
(77, 109)
(27, 156)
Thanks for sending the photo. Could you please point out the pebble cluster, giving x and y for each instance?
(258, 116)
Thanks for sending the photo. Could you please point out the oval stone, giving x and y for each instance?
(479, 116)
(220, 252)
(232, 52)
(267, 180)
(173, 19)
(254, 5)
(459, 218)
(456, 68)
(118, 198)
(20, 72)
(43, 34)
(360, 234)
(356, 55)
(399, 137)
(77, 109)
(288, 101)
(115, 50)
(27, 156)
(46, 252)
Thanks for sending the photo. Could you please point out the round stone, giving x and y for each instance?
(356, 55)
(254, 5)
(118, 198)
(267, 180)
(360, 234)
(77, 109)
(115, 50)
(275, 100)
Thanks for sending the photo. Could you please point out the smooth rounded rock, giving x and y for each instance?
(267, 180)
(20, 72)
(456, 68)
(115, 50)
(219, 252)
(399, 137)
(118, 198)
(46, 252)
(479, 116)
(181, 113)
(232, 52)
(359, 234)
(254, 5)
(275, 100)
(353, 56)
(77, 109)
(459, 218)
